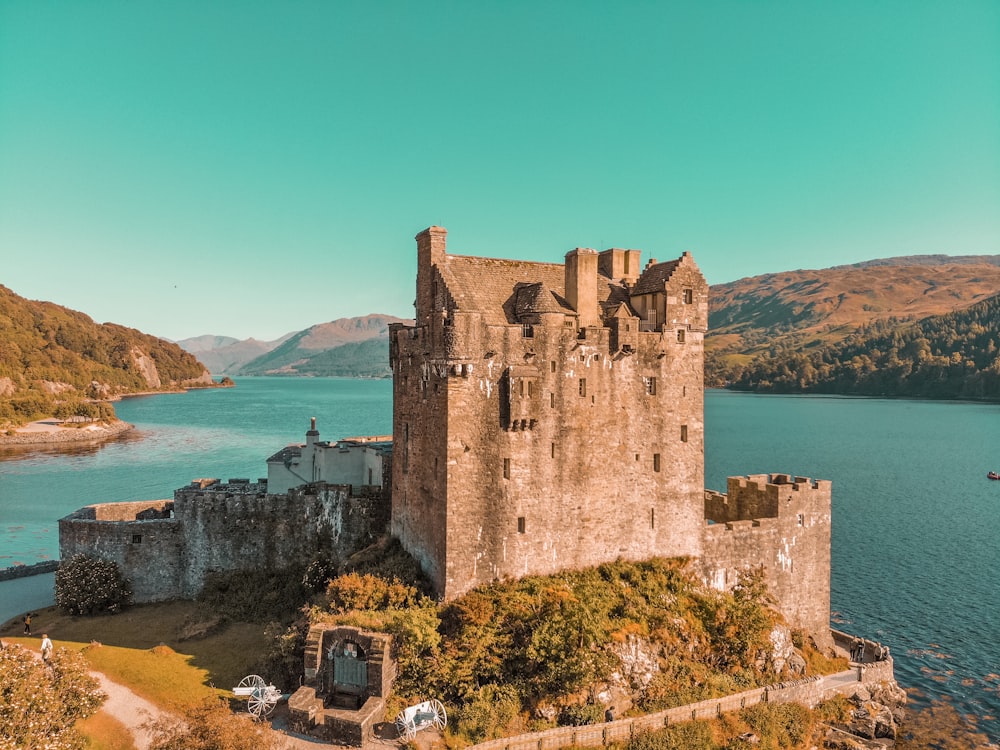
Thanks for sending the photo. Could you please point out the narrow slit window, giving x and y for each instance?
(506, 468)
(553, 450)
(680, 335)
(652, 518)
(583, 386)
(552, 400)
(520, 524)
(656, 462)
(650, 386)
(137, 538)
(684, 433)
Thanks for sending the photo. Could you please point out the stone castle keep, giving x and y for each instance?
(545, 416)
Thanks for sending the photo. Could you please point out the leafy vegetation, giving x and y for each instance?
(210, 725)
(518, 646)
(947, 356)
(88, 585)
(41, 703)
(53, 359)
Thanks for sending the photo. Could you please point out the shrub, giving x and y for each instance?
(255, 595)
(489, 714)
(211, 726)
(40, 704)
(88, 586)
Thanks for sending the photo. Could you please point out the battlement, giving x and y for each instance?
(217, 486)
(759, 496)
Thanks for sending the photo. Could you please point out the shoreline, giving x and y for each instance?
(48, 432)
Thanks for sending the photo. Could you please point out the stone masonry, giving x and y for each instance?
(550, 416)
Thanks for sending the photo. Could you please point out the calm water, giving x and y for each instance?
(915, 561)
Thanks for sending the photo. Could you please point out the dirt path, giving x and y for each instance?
(128, 708)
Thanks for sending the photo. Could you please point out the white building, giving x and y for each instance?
(357, 461)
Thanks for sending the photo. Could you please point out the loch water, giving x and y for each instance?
(915, 520)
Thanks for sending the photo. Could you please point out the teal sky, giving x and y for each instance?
(252, 168)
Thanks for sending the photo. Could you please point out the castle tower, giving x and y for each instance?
(544, 418)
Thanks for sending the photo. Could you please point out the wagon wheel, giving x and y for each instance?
(262, 702)
(440, 715)
(254, 681)
(407, 729)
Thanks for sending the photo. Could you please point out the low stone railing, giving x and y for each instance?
(809, 691)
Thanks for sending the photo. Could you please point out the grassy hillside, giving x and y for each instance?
(55, 361)
(943, 356)
(807, 311)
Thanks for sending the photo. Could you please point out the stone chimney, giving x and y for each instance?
(620, 265)
(430, 252)
(581, 285)
(313, 434)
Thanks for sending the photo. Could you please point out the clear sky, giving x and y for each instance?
(250, 168)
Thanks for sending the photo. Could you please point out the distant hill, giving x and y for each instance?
(942, 356)
(225, 355)
(348, 347)
(56, 362)
(805, 311)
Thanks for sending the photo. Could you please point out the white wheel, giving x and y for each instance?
(405, 729)
(440, 715)
(262, 702)
(252, 681)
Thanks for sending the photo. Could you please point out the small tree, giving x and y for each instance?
(88, 585)
(41, 703)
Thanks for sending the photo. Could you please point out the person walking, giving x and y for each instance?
(46, 647)
(27, 623)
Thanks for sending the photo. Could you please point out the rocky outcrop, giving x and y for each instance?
(874, 721)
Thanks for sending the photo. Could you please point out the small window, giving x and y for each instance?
(684, 433)
(520, 388)
(802, 520)
(527, 330)
(531, 389)
(656, 462)
(554, 455)
(137, 538)
(553, 366)
(370, 472)
(583, 386)
(552, 400)
(652, 518)
(583, 357)
(680, 335)
(520, 524)
(688, 296)
(650, 386)
(506, 468)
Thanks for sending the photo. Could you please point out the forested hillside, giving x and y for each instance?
(57, 362)
(944, 356)
(807, 311)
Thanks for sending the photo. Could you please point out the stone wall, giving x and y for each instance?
(528, 444)
(780, 524)
(166, 548)
(142, 538)
(809, 691)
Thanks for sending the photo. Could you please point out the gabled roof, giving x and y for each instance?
(655, 277)
(490, 286)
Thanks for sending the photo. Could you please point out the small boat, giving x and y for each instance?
(992, 475)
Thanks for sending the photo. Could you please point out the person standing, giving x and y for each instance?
(46, 647)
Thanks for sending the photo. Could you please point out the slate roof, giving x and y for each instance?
(500, 288)
(655, 277)
(286, 453)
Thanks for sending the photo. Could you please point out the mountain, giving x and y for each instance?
(942, 356)
(225, 355)
(807, 310)
(55, 362)
(348, 347)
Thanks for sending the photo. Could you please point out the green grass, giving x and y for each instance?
(144, 649)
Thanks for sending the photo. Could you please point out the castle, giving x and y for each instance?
(545, 416)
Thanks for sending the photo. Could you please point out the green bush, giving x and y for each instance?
(254, 595)
(88, 586)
